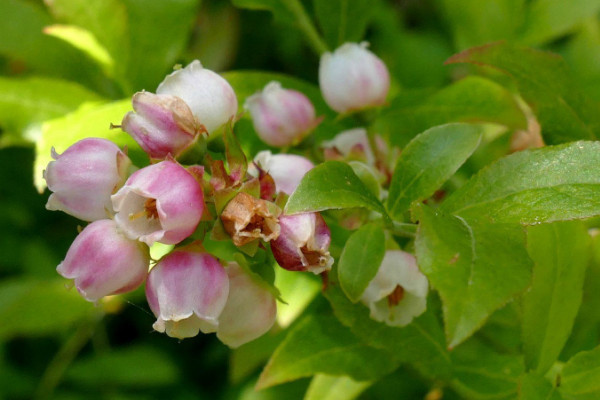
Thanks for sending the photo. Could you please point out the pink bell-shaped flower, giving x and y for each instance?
(210, 97)
(281, 117)
(287, 170)
(187, 291)
(102, 261)
(250, 310)
(162, 203)
(162, 124)
(84, 177)
(398, 293)
(303, 243)
(353, 78)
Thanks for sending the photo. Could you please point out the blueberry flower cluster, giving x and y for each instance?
(129, 209)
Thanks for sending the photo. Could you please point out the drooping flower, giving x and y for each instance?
(159, 203)
(303, 243)
(287, 170)
(398, 293)
(246, 219)
(250, 310)
(187, 291)
(210, 97)
(281, 117)
(84, 177)
(353, 78)
(102, 261)
(162, 124)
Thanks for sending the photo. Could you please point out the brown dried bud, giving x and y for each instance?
(247, 218)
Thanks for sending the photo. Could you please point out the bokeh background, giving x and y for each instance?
(55, 345)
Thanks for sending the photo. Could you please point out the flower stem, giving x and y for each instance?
(63, 358)
(403, 229)
(307, 27)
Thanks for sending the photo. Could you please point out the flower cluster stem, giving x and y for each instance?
(64, 357)
(307, 27)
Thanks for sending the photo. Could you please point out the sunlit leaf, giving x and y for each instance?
(560, 252)
(427, 162)
(550, 184)
(323, 345)
(544, 80)
(476, 267)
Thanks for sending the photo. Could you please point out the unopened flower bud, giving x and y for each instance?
(102, 261)
(281, 117)
(250, 310)
(246, 218)
(187, 291)
(303, 243)
(84, 177)
(159, 203)
(287, 170)
(353, 78)
(210, 97)
(161, 124)
(352, 144)
(398, 293)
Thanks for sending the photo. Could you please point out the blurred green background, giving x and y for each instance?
(58, 54)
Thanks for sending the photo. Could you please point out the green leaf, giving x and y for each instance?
(106, 20)
(535, 387)
(548, 19)
(545, 82)
(476, 267)
(320, 344)
(279, 8)
(420, 343)
(298, 291)
(481, 373)
(249, 357)
(586, 329)
(332, 184)
(37, 308)
(343, 21)
(550, 184)
(580, 377)
(472, 99)
(23, 39)
(560, 253)
(475, 22)
(427, 162)
(25, 103)
(137, 367)
(360, 260)
(154, 53)
(326, 387)
(83, 40)
(90, 120)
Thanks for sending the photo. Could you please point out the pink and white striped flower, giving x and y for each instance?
(84, 177)
(281, 117)
(210, 97)
(162, 124)
(159, 203)
(353, 78)
(187, 291)
(102, 261)
(250, 310)
(398, 293)
(303, 243)
(287, 170)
